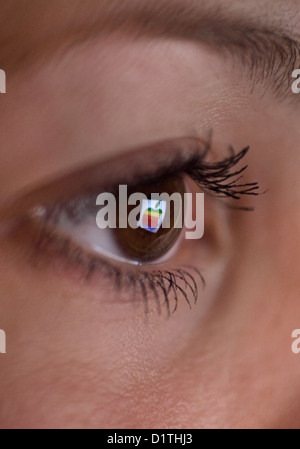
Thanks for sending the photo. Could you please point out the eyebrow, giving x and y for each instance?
(268, 54)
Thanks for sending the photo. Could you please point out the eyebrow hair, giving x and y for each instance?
(268, 54)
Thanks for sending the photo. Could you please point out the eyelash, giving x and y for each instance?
(216, 178)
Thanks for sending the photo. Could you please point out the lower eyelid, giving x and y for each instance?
(166, 287)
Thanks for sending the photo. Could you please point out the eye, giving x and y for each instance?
(156, 229)
(144, 243)
(148, 259)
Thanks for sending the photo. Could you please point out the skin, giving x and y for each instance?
(81, 354)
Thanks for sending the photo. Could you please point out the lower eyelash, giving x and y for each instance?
(174, 285)
(168, 282)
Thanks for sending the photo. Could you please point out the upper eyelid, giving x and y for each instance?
(131, 167)
(187, 156)
(216, 178)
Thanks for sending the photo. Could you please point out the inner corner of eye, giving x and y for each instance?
(137, 225)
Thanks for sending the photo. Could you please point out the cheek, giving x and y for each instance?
(67, 364)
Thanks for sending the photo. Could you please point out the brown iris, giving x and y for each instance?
(142, 244)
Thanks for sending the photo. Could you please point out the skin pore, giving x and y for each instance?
(88, 84)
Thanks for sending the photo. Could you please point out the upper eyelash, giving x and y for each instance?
(217, 177)
(213, 177)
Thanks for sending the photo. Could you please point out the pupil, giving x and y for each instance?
(151, 240)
